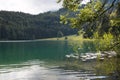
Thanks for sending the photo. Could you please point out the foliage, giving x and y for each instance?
(99, 19)
(17, 25)
(92, 17)
(103, 43)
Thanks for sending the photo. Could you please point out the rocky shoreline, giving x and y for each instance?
(101, 55)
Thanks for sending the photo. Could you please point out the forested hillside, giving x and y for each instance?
(22, 26)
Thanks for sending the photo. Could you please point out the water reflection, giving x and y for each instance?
(17, 52)
(27, 61)
(36, 70)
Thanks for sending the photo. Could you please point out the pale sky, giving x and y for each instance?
(30, 6)
(85, 1)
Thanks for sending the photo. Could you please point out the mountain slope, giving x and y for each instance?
(22, 26)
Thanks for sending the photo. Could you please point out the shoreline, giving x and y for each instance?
(69, 38)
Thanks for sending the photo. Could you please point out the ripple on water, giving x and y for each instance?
(34, 70)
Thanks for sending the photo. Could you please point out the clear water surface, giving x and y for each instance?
(34, 60)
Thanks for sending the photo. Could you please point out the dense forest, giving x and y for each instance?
(22, 26)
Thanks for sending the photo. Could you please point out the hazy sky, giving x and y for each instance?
(30, 6)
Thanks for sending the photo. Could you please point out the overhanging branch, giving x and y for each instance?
(108, 8)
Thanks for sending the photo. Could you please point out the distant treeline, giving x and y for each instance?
(22, 26)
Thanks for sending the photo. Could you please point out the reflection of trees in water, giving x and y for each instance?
(109, 66)
(80, 47)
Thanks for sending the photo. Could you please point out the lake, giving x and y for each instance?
(38, 60)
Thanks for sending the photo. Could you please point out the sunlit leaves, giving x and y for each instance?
(108, 37)
(71, 4)
(86, 15)
(63, 19)
(98, 5)
(103, 43)
(96, 35)
(94, 16)
(82, 15)
(113, 15)
(115, 22)
(74, 23)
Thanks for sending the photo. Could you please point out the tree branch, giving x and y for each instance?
(108, 8)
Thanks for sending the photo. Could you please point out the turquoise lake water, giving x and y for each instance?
(34, 60)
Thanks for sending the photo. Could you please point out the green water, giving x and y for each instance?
(14, 52)
(28, 60)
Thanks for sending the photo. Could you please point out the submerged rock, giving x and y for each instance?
(93, 56)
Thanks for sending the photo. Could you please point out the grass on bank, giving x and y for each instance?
(70, 38)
